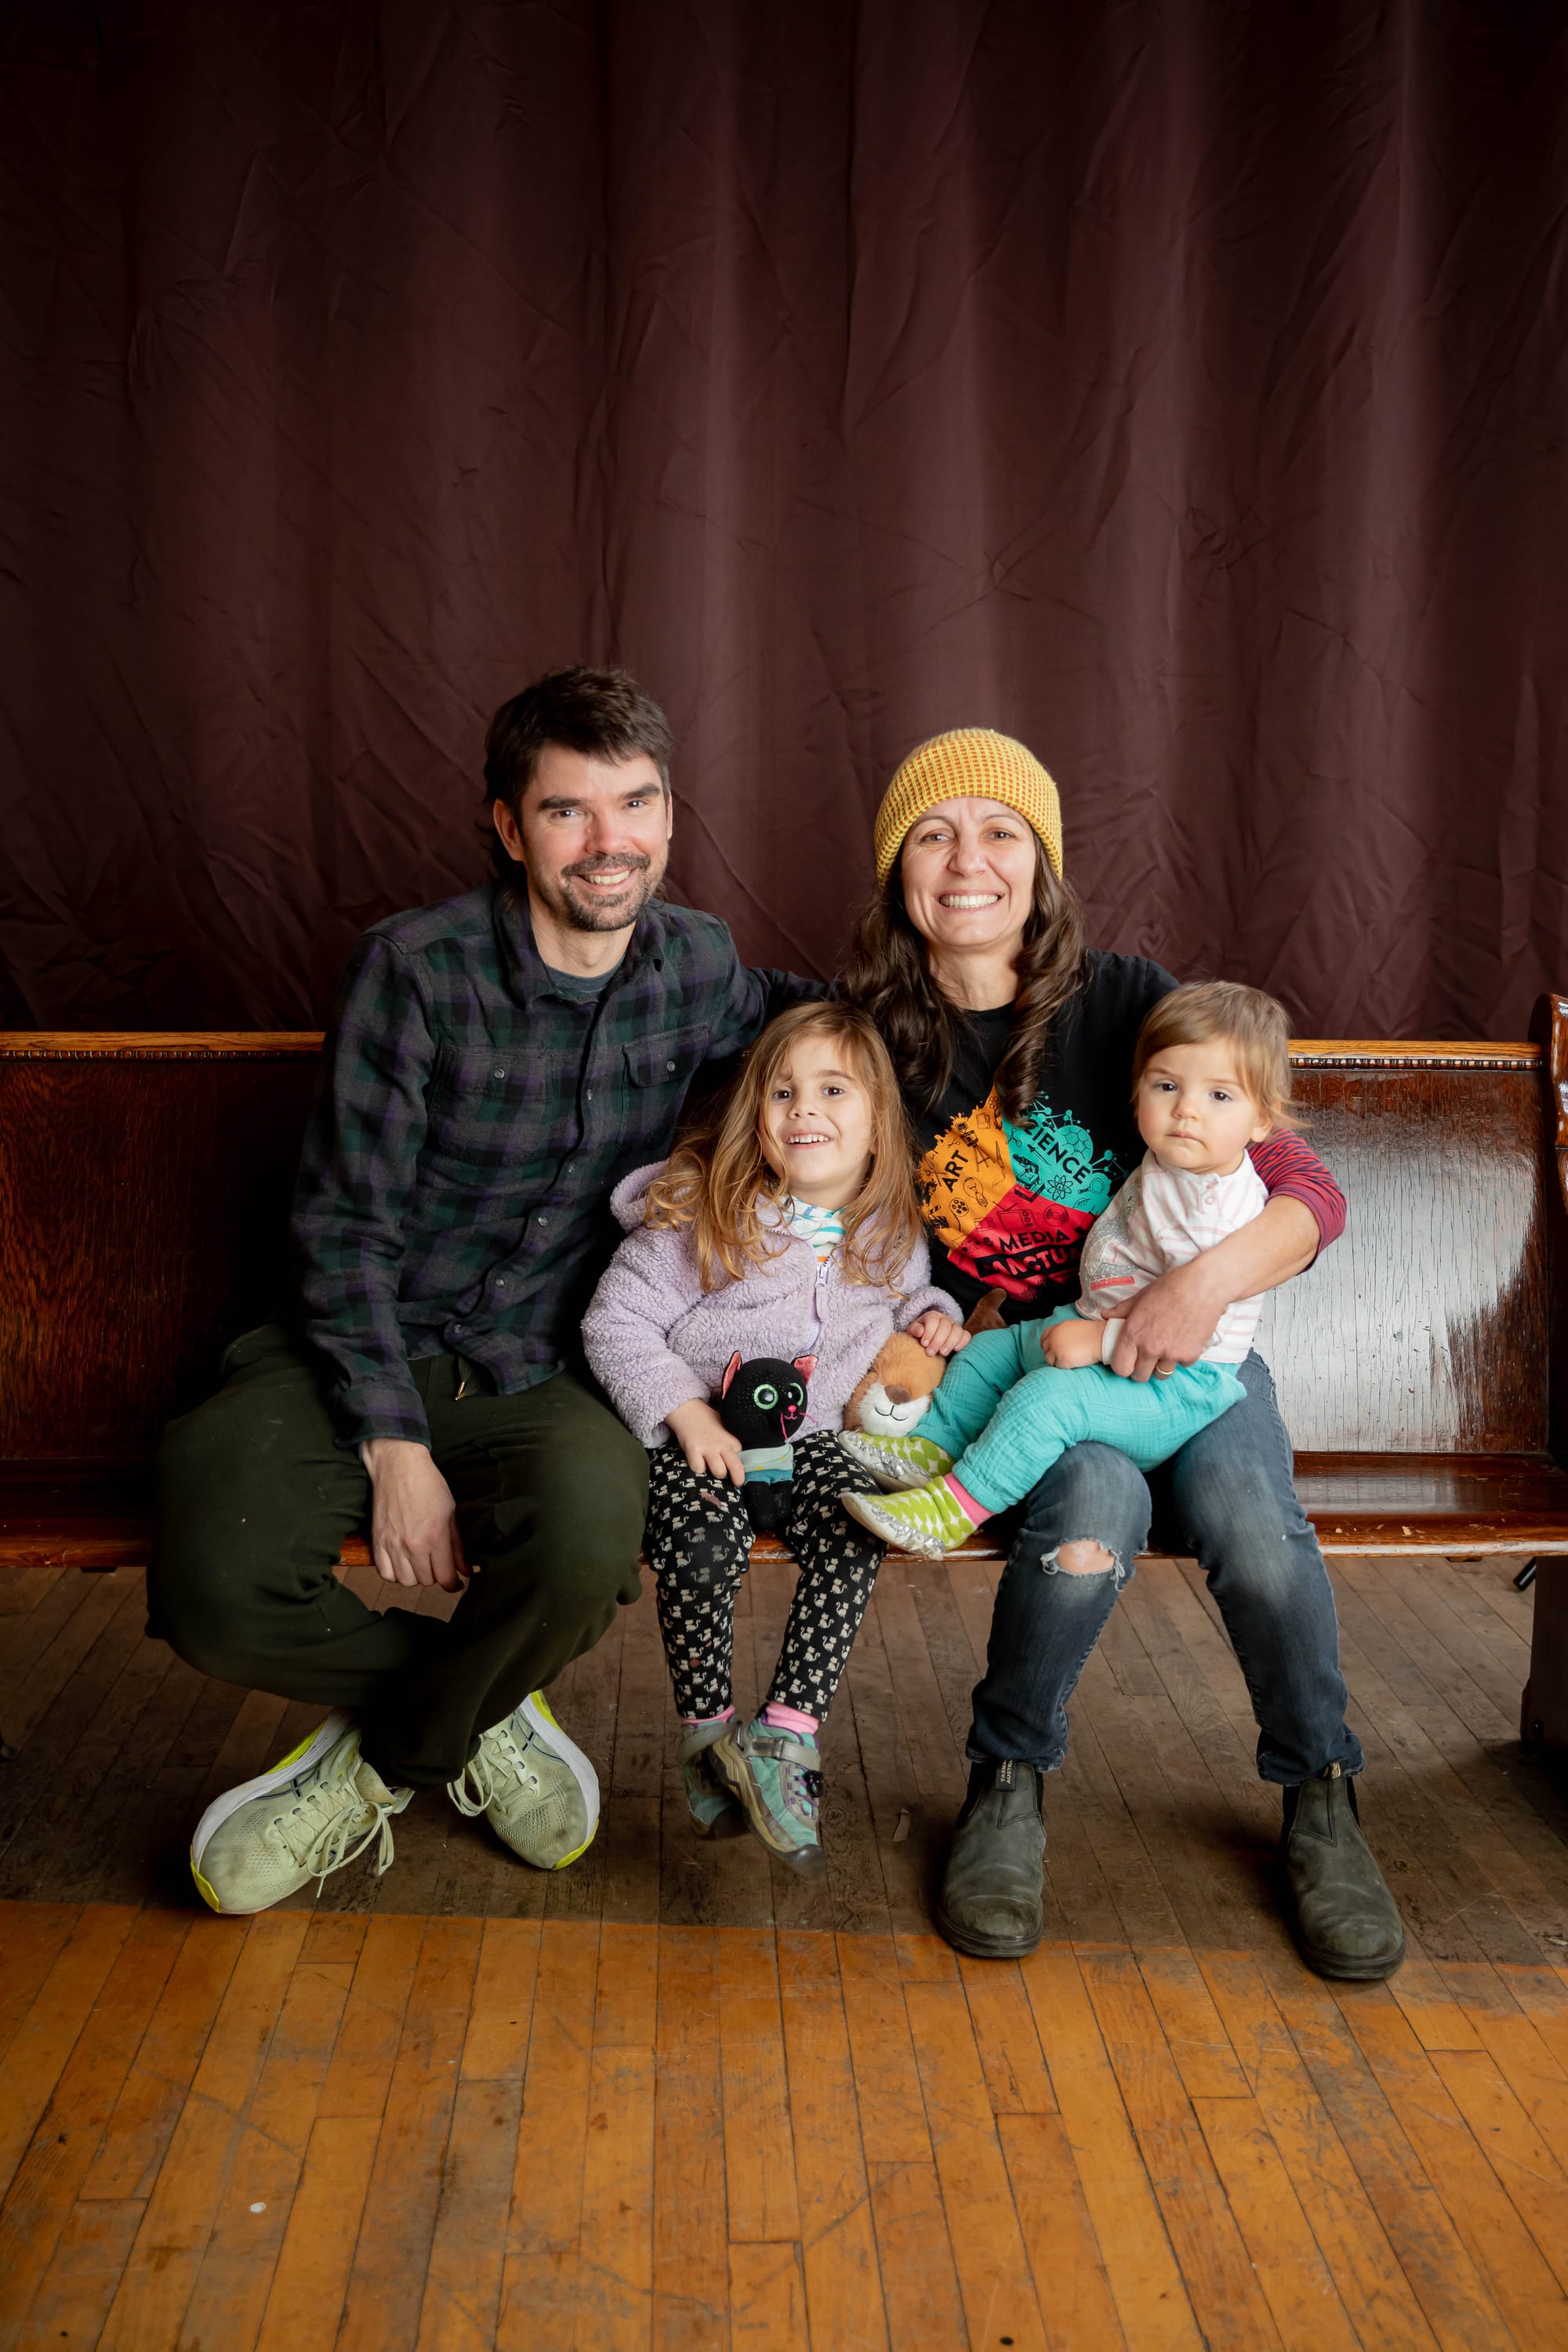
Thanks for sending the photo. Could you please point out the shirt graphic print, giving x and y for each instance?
(1011, 1204)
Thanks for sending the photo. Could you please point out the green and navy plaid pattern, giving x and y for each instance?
(454, 1184)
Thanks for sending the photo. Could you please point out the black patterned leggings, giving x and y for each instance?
(699, 1542)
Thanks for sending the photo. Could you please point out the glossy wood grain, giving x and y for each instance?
(1424, 1329)
(143, 1210)
(144, 1181)
(1386, 1503)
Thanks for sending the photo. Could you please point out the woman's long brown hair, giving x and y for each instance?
(888, 977)
(717, 1175)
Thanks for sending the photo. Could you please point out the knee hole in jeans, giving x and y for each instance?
(1082, 1556)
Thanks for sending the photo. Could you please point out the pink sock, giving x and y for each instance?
(972, 1510)
(693, 1722)
(779, 1717)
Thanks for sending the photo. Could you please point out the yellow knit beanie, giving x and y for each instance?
(968, 763)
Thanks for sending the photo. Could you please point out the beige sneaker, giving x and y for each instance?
(534, 1785)
(305, 1818)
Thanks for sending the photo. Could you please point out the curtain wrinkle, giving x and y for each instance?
(1180, 391)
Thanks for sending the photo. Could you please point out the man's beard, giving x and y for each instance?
(591, 913)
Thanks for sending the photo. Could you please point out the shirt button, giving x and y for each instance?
(459, 1330)
(568, 1169)
(500, 1074)
(587, 1094)
(500, 1282)
(541, 1221)
(669, 1066)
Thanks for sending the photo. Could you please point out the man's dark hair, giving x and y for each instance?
(601, 711)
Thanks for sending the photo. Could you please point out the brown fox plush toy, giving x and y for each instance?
(892, 1400)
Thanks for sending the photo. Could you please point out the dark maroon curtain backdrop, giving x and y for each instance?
(1182, 388)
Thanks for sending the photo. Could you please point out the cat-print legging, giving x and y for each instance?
(699, 1542)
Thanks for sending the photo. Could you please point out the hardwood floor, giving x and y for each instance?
(673, 2097)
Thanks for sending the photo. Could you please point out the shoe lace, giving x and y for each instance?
(319, 1816)
(499, 1745)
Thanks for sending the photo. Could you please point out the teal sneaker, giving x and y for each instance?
(714, 1812)
(534, 1785)
(927, 1521)
(318, 1808)
(776, 1776)
(896, 1462)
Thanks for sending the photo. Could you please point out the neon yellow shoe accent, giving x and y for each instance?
(897, 1464)
(533, 1785)
(578, 1851)
(927, 1522)
(306, 1817)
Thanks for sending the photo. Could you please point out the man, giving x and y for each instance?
(495, 1066)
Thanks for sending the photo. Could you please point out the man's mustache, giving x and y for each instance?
(634, 863)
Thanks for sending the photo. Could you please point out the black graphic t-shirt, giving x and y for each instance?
(1007, 1205)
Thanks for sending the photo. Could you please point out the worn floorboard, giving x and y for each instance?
(675, 2097)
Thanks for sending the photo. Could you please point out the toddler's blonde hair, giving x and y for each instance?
(1254, 1023)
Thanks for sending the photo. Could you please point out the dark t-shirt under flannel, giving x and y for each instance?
(473, 1120)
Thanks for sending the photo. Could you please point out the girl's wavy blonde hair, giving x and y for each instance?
(717, 1175)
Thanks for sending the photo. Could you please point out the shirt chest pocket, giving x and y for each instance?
(658, 1071)
(485, 1111)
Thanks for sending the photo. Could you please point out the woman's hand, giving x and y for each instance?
(711, 1450)
(1174, 1320)
(1070, 1345)
(1170, 1323)
(938, 1333)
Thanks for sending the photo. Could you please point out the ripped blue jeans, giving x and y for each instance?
(1228, 1498)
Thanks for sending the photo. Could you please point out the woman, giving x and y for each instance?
(1014, 1046)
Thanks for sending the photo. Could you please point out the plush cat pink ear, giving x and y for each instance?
(730, 1368)
(805, 1366)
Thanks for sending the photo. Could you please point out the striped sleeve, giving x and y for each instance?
(1290, 1167)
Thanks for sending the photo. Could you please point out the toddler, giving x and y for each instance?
(787, 1229)
(1210, 1075)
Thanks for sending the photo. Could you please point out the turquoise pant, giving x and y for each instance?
(1007, 1414)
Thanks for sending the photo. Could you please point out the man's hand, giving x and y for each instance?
(938, 1333)
(414, 1536)
(1070, 1345)
(1170, 1323)
(710, 1448)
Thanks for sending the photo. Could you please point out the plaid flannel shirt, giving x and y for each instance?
(454, 1184)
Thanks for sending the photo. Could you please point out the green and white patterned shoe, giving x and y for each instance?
(714, 1812)
(897, 1464)
(305, 1818)
(534, 1785)
(777, 1776)
(927, 1521)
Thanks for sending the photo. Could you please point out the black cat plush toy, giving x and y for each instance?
(763, 1403)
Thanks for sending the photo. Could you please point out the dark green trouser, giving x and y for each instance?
(256, 1498)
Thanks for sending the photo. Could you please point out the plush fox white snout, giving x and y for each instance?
(890, 1412)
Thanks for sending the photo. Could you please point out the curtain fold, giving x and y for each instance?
(1182, 389)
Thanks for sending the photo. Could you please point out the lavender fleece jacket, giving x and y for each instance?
(655, 1340)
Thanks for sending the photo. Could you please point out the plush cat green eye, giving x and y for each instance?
(796, 1393)
(767, 1397)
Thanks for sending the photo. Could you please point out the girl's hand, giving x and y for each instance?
(938, 1333)
(711, 1449)
(1069, 1346)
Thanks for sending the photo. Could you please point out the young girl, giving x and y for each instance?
(1210, 1075)
(787, 1229)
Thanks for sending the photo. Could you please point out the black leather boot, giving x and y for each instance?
(992, 1903)
(1345, 1921)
